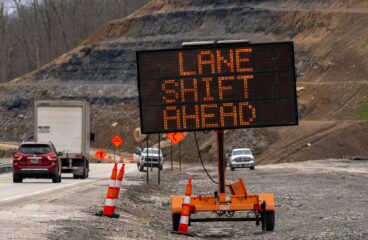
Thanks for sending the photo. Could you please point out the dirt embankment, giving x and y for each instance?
(331, 59)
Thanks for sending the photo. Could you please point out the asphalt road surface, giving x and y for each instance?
(18, 192)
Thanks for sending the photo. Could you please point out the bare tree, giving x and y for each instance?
(34, 32)
(2, 42)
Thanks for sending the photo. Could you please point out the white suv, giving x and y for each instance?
(241, 158)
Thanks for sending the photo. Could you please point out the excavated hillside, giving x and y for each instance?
(331, 45)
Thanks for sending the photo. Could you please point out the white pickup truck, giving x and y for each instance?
(151, 158)
(241, 158)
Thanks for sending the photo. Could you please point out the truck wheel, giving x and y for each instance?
(232, 168)
(87, 175)
(17, 178)
(84, 174)
(141, 168)
(252, 168)
(268, 221)
(176, 221)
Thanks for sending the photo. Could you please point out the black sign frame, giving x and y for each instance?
(216, 46)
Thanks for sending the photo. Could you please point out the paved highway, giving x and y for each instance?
(10, 191)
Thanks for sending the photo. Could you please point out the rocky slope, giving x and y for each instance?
(331, 58)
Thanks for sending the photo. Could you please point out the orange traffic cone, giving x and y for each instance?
(185, 212)
(131, 158)
(109, 207)
(119, 179)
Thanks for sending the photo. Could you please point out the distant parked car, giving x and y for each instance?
(151, 157)
(241, 158)
(36, 160)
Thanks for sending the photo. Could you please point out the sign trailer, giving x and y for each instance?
(217, 87)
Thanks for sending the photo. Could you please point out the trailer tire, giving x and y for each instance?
(87, 175)
(268, 220)
(84, 174)
(176, 221)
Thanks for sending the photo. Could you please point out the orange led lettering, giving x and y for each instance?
(170, 95)
(193, 90)
(232, 113)
(221, 87)
(181, 67)
(242, 117)
(240, 60)
(190, 116)
(208, 96)
(208, 115)
(202, 62)
(245, 84)
(228, 62)
(175, 117)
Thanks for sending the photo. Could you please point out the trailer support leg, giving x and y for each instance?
(221, 166)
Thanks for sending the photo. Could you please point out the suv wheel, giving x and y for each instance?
(17, 178)
(56, 178)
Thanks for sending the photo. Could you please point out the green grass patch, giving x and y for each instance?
(362, 113)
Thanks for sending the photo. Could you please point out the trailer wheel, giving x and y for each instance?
(176, 221)
(268, 221)
(87, 175)
(84, 174)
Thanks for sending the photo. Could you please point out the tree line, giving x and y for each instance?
(34, 32)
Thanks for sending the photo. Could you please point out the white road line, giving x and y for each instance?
(44, 191)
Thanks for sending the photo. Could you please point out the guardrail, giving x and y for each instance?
(6, 167)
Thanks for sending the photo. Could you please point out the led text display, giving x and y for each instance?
(219, 87)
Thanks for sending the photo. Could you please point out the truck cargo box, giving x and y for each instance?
(66, 123)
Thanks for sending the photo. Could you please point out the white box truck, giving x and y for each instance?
(66, 123)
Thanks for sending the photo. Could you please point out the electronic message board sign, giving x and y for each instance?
(217, 87)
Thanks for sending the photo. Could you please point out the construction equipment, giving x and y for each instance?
(261, 205)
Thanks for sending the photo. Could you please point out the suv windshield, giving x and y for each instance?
(151, 151)
(242, 152)
(34, 149)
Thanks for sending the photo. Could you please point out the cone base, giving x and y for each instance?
(183, 229)
(101, 213)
